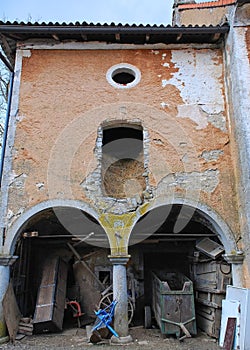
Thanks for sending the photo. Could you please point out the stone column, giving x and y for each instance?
(236, 261)
(238, 90)
(5, 262)
(121, 296)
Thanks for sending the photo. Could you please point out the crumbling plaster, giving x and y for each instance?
(60, 113)
(203, 16)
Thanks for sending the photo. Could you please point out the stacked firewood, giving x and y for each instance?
(25, 326)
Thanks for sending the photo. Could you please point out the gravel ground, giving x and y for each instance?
(149, 339)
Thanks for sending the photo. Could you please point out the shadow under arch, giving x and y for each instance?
(159, 211)
(65, 211)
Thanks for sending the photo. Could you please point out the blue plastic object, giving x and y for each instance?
(106, 315)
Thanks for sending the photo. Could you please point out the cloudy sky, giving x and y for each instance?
(124, 11)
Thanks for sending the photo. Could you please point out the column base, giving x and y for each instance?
(121, 340)
(4, 339)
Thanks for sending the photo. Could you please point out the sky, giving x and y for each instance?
(103, 11)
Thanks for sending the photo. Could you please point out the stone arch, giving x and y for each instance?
(219, 225)
(14, 230)
(233, 255)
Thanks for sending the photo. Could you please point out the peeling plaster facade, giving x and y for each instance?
(190, 103)
(66, 166)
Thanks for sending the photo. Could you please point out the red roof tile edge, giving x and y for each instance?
(207, 4)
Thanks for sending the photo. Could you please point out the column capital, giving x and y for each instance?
(119, 260)
(7, 260)
(237, 258)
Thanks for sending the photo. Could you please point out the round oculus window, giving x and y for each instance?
(123, 76)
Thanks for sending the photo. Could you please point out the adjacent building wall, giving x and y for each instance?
(205, 13)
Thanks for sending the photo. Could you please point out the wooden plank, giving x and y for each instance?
(209, 319)
(207, 303)
(230, 332)
(11, 312)
(86, 266)
(89, 291)
(20, 336)
(51, 296)
(30, 329)
(28, 325)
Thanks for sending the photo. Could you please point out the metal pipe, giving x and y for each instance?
(6, 127)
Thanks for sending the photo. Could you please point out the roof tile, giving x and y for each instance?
(215, 3)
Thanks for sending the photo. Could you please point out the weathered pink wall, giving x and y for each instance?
(64, 97)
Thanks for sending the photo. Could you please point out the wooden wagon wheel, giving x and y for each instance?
(107, 299)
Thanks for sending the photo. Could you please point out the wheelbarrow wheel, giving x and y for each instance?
(107, 299)
(147, 317)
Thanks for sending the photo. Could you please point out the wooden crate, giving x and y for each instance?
(210, 279)
(209, 298)
(208, 319)
(50, 304)
(211, 276)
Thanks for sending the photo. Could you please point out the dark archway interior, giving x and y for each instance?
(172, 222)
(65, 221)
(46, 235)
(165, 240)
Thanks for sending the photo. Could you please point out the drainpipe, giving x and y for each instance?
(6, 126)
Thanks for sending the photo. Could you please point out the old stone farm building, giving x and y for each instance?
(128, 146)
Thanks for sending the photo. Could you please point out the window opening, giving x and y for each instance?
(123, 162)
(123, 76)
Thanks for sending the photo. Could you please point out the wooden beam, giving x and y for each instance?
(216, 37)
(6, 62)
(85, 265)
(84, 37)
(179, 36)
(54, 36)
(11, 312)
(7, 48)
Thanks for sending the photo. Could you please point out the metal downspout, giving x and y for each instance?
(6, 127)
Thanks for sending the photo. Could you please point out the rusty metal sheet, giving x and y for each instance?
(230, 332)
